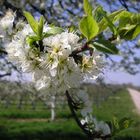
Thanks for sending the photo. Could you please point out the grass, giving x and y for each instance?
(120, 105)
(13, 112)
(58, 130)
(18, 124)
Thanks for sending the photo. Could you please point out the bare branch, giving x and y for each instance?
(15, 9)
(123, 3)
(3, 75)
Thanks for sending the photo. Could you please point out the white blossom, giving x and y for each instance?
(102, 127)
(87, 106)
(6, 23)
(52, 67)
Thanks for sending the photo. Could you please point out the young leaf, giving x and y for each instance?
(125, 123)
(129, 26)
(125, 19)
(116, 123)
(127, 32)
(97, 13)
(113, 17)
(31, 40)
(88, 27)
(40, 26)
(105, 46)
(53, 31)
(108, 22)
(136, 32)
(72, 28)
(87, 7)
(33, 23)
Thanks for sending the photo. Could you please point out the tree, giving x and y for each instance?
(59, 60)
(58, 11)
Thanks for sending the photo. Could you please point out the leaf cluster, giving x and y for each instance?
(35, 41)
(121, 23)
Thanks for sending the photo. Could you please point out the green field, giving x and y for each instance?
(28, 124)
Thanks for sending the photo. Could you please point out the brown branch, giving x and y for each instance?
(3, 75)
(81, 49)
(78, 50)
(123, 3)
(2, 51)
(91, 135)
(62, 6)
(41, 11)
(75, 53)
(75, 116)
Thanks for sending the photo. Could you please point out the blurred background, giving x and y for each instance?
(26, 113)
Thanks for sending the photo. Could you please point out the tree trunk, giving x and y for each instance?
(52, 108)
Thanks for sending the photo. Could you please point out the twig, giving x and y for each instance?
(3, 75)
(2, 51)
(75, 116)
(123, 3)
(91, 135)
(62, 6)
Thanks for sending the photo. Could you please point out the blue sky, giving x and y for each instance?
(119, 77)
(113, 77)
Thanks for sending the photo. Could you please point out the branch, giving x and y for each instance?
(3, 75)
(41, 11)
(123, 3)
(75, 116)
(62, 6)
(15, 9)
(81, 49)
(91, 135)
(75, 53)
(2, 51)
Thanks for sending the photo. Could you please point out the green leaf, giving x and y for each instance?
(31, 40)
(125, 19)
(88, 27)
(105, 46)
(113, 17)
(53, 31)
(97, 13)
(136, 32)
(127, 32)
(40, 26)
(109, 23)
(87, 7)
(135, 18)
(129, 26)
(125, 123)
(33, 23)
(72, 28)
(116, 123)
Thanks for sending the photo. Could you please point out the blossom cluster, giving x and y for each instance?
(82, 100)
(53, 63)
(93, 125)
(53, 68)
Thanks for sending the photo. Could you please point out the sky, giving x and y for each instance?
(112, 77)
(119, 77)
